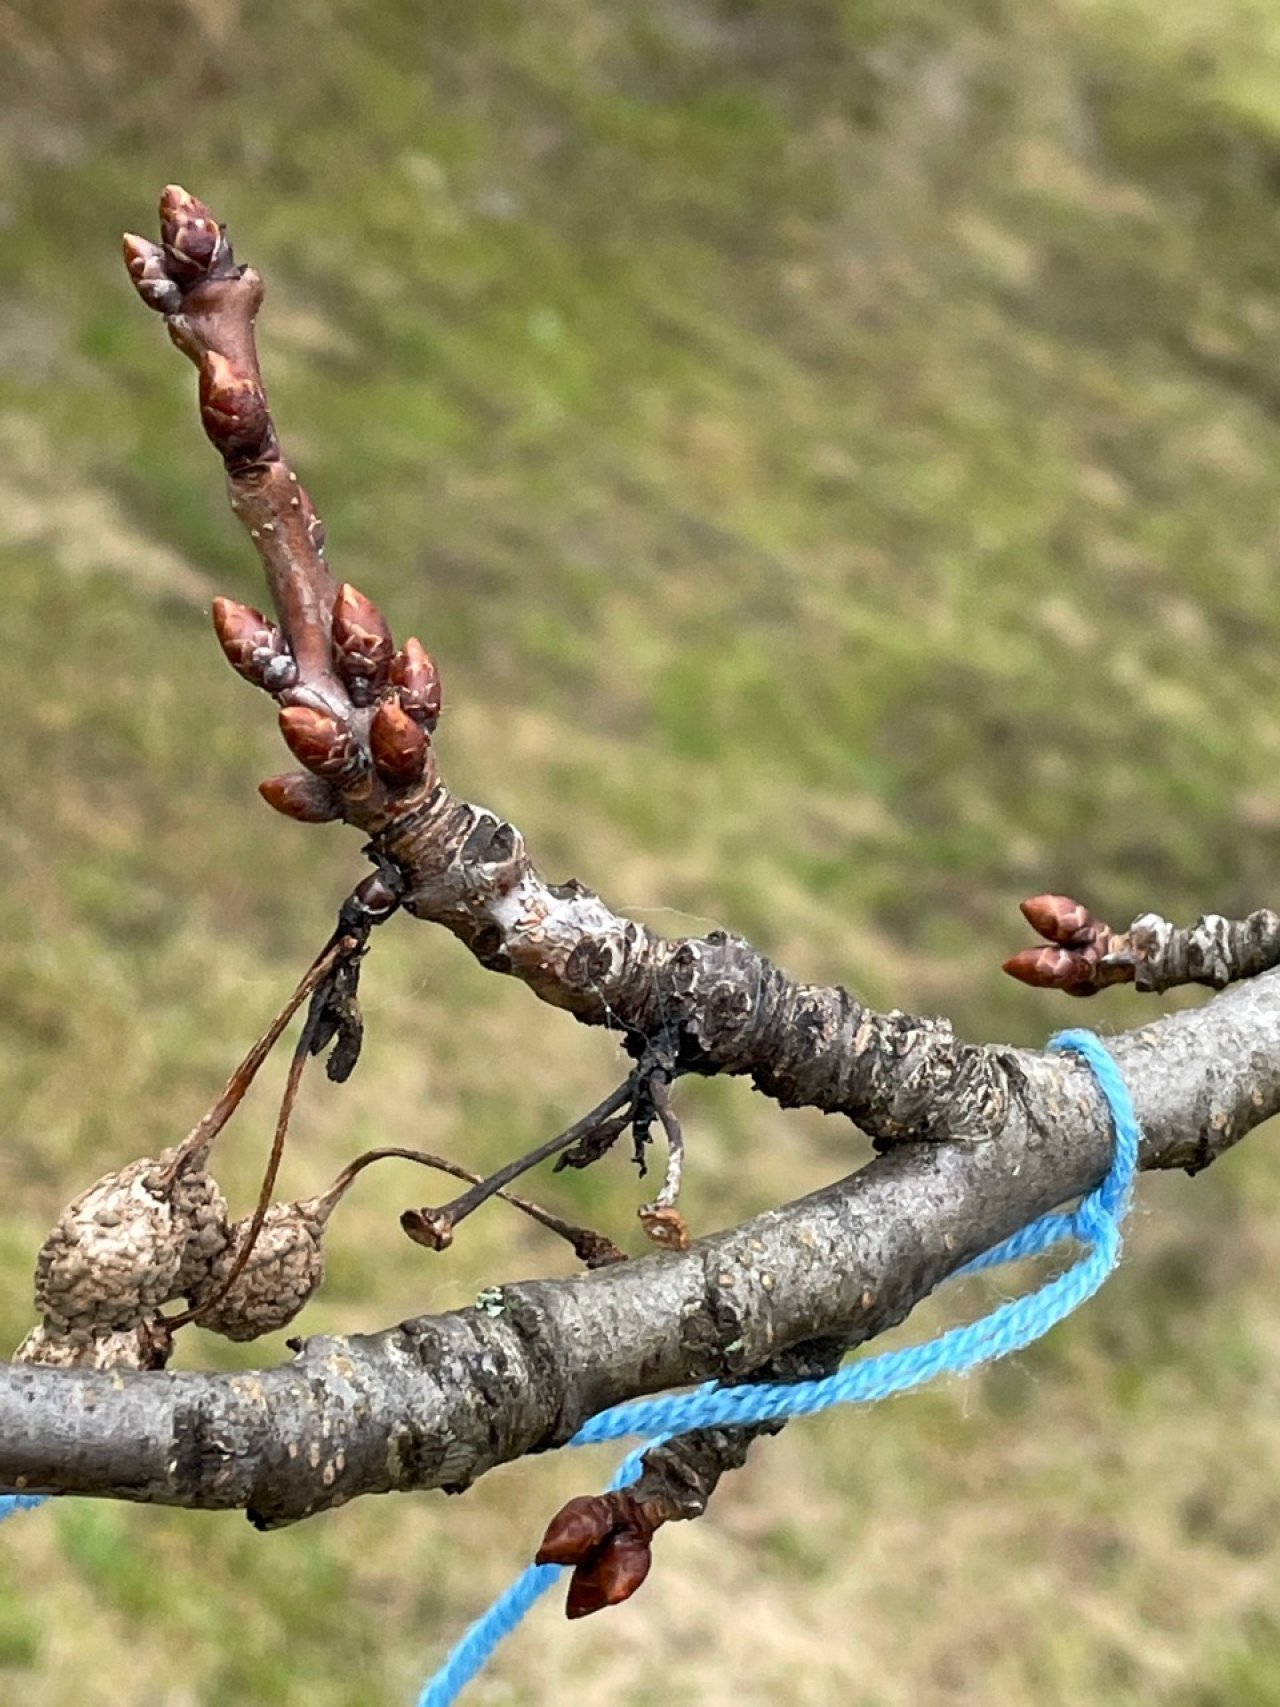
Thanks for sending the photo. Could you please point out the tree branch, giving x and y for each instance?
(438, 1401)
(358, 715)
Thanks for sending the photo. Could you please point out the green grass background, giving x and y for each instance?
(829, 446)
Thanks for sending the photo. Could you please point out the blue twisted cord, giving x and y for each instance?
(9, 1503)
(1094, 1223)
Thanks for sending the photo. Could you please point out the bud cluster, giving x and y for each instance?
(192, 246)
(356, 712)
(1086, 956)
(400, 689)
(606, 1539)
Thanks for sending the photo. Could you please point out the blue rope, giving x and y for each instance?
(9, 1503)
(1094, 1223)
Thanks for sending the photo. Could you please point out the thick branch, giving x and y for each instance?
(719, 1003)
(438, 1401)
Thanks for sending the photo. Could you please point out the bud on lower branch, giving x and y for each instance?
(605, 1538)
(610, 1578)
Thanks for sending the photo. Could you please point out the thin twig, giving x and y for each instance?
(660, 1091)
(301, 1055)
(434, 1227)
(593, 1145)
(196, 1144)
(592, 1248)
(661, 1220)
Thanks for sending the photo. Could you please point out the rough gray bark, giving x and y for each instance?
(436, 1402)
(719, 1004)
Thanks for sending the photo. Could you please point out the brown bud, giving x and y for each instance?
(255, 648)
(362, 644)
(611, 1577)
(577, 1530)
(1053, 969)
(233, 409)
(299, 795)
(320, 742)
(399, 745)
(1060, 919)
(150, 275)
(192, 237)
(414, 672)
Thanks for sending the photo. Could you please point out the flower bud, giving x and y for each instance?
(398, 744)
(610, 1578)
(1053, 969)
(578, 1528)
(299, 795)
(414, 673)
(320, 742)
(192, 237)
(233, 409)
(1060, 919)
(147, 269)
(362, 644)
(254, 647)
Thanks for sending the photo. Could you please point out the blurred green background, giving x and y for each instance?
(829, 448)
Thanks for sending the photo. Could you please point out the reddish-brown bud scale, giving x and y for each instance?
(362, 644)
(414, 673)
(254, 647)
(319, 742)
(233, 409)
(150, 275)
(192, 237)
(1053, 969)
(577, 1530)
(301, 796)
(398, 744)
(611, 1577)
(1060, 919)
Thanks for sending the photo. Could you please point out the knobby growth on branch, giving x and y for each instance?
(974, 1140)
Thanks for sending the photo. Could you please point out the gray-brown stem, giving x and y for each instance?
(436, 1402)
